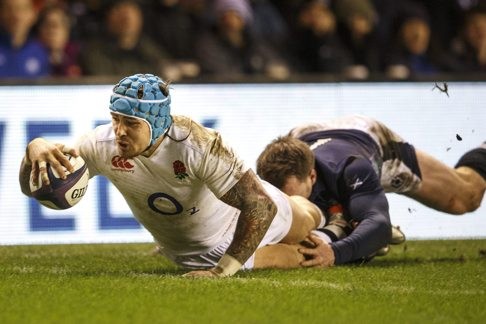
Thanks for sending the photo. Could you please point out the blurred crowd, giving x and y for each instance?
(230, 39)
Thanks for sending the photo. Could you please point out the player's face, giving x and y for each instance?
(132, 135)
(294, 186)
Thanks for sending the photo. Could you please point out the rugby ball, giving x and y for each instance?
(62, 194)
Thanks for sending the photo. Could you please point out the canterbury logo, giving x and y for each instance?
(120, 162)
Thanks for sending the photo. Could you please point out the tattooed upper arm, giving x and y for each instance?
(257, 212)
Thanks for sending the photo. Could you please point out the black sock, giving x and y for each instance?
(476, 160)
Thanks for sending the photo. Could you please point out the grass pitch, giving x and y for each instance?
(418, 282)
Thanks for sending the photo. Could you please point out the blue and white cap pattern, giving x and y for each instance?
(140, 96)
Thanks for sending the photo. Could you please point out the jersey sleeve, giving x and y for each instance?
(368, 205)
(86, 147)
(221, 167)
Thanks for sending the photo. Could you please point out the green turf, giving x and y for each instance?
(418, 282)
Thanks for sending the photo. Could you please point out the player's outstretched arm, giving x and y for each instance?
(38, 154)
(257, 212)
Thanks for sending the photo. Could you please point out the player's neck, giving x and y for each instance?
(151, 149)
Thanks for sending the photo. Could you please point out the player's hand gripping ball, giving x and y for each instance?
(62, 194)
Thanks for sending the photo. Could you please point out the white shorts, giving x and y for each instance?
(278, 229)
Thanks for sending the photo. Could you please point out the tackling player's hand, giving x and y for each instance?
(321, 255)
(40, 152)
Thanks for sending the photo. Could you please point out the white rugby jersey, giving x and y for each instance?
(174, 192)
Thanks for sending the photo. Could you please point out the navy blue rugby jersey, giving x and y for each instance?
(348, 164)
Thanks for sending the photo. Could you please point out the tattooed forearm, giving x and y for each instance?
(257, 212)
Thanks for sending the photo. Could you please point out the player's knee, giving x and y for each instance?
(472, 205)
(459, 206)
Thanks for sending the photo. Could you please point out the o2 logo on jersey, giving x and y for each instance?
(167, 205)
(164, 204)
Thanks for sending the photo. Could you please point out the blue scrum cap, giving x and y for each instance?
(140, 96)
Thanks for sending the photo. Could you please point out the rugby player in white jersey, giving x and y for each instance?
(204, 207)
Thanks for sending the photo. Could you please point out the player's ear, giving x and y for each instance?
(313, 175)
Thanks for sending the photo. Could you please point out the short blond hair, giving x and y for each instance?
(284, 157)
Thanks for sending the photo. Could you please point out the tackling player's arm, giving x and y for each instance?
(257, 211)
(369, 207)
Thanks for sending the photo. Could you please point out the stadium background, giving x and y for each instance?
(248, 115)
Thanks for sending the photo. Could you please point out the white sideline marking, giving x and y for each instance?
(350, 287)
